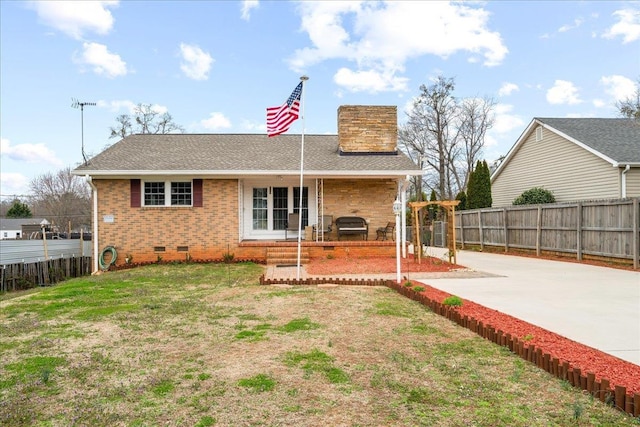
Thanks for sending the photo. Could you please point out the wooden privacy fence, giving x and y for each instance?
(605, 228)
(28, 263)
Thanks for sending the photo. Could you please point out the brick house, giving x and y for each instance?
(202, 195)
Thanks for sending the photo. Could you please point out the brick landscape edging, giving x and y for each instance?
(603, 389)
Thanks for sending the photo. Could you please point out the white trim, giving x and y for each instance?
(167, 193)
(94, 236)
(580, 144)
(527, 132)
(246, 219)
(240, 212)
(363, 174)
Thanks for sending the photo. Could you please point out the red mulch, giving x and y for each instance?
(588, 359)
(376, 265)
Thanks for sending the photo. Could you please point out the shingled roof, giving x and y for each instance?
(616, 139)
(239, 154)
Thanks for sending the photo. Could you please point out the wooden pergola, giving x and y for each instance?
(450, 206)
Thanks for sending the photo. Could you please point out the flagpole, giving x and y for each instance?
(303, 79)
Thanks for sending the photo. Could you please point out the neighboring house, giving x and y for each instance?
(575, 158)
(173, 196)
(20, 228)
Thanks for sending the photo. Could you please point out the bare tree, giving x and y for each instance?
(445, 136)
(415, 144)
(145, 120)
(475, 119)
(63, 198)
(630, 107)
(429, 129)
(123, 128)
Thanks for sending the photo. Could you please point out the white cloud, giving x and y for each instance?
(598, 103)
(75, 18)
(117, 105)
(259, 127)
(30, 153)
(369, 81)
(103, 62)
(129, 106)
(247, 5)
(506, 121)
(13, 184)
(216, 121)
(619, 87)
(628, 26)
(563, 92)
(576, 23)
(507, 89)
(196, 63)
(379, 37)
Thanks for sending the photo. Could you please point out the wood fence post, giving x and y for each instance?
(579, 231)
(636, 232)
(480, 233)
(461, 230)
(506, 230)
(538, 230)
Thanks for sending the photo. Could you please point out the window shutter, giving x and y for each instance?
(197, 193)
(135, 193)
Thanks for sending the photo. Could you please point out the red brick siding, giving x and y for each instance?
(206, 230)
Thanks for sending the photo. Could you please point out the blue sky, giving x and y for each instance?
(215, 66)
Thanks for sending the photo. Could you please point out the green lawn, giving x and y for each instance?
(204, 345)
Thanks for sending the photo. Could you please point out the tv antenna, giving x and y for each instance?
(75, 104)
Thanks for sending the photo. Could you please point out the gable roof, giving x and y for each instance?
(239, 155)
(17, 223)
(617, 141)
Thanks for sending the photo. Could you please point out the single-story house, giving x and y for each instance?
(201, 196)
(21, 228)
(574, 158)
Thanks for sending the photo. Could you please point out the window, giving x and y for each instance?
(260, 208)
(154, 193)
(180, 193)
(280, 207)
(539, 133)
(305, 204)
(160, 193)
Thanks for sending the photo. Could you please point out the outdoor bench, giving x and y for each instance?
(352, 225)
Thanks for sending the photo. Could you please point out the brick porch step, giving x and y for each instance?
(287, 256)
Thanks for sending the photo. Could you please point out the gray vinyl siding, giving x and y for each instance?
(633, 182)
(568, 170)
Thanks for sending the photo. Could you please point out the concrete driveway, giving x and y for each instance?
(596, 306)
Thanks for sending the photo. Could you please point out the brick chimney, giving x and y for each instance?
(367, 129)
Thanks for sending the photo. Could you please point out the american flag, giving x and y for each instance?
(279, 119)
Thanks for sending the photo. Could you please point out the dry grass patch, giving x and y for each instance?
(202, 345)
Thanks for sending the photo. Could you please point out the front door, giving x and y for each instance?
(270, 207)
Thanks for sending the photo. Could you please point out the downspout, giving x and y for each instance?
(624, 181)
(94, 237)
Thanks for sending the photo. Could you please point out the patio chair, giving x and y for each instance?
(326, 221)
(292, 224)
(382, 233)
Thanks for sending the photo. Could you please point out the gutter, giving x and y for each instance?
(94, 237)
(623, 189)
